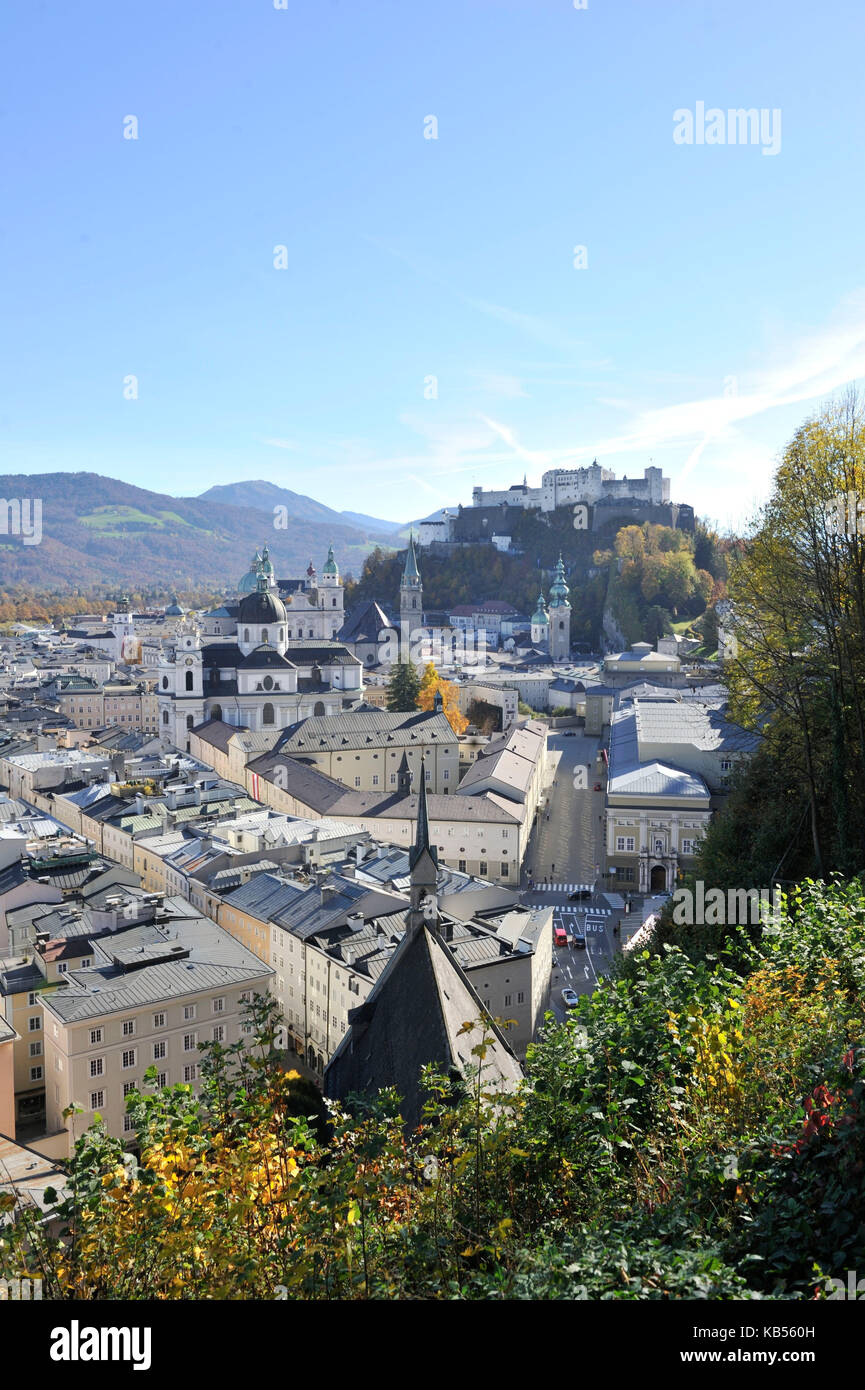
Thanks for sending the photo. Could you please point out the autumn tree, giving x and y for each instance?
(433, 684)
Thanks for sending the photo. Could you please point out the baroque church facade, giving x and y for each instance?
(280, 663)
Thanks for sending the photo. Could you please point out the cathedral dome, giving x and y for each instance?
(260, 607)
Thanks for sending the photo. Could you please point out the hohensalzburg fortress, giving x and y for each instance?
(561, 486)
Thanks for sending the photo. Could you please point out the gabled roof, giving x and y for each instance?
(412, 1018)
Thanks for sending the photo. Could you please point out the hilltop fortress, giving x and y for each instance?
(561, 486)
(609, 500)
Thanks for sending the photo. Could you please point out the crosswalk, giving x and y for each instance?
(588, 912)
(564, 887)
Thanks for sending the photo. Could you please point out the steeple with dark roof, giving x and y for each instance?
(410, 593)
(423, 865)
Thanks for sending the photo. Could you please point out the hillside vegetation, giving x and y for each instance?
(695, 1130)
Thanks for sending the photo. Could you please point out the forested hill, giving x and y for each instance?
(98, 531)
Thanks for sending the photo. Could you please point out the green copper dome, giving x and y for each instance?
(266, 565)
(539, 617)
(558, 589)
(330, 564)
(249, 582)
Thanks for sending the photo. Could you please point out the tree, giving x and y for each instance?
(403, 688)
(433, 684)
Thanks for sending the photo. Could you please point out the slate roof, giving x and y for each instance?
(327, 796)
(364, 623)
(208, 958)
(412, 1018)
(376, 729)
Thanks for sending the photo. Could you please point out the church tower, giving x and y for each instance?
(541, 626)
(423, 866)
(560, 616)
(410, 597)
(180, 693)
(331, 596)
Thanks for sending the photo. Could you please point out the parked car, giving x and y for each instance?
(570, 998)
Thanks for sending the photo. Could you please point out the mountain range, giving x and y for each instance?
(99, 532)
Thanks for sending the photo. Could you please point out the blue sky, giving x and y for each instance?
(723, 299)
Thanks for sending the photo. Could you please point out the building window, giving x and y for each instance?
(219, 1033)
(129, 1058)
(85, 962)
(97, 1066)
(445, 774)
(129, 1087)
(190, 1042)
(158, 1051)
(35, 1073)
(357, 781)
(97, 1100)
(687, 846)
(482, 868)
(508, 1001)
(128, 1124)
(159, 1020)
(218, 1006)
(521, 998)
(31, 998)
(625, 844)
(267, 714)
(162, 1078)
(34, 1023)
(128, 1027)
(188, 1011)
(36, 1049)
(462, 866)
(189, 1073)
(504, 872)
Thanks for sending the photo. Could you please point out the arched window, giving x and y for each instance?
(165, 716)
(246, 634)
(164, 682)
(189, 680)
(288, 634)
(267, 715)
(189, 721)
(282, 634)
(318, 708)
(264, 635)
(216, 712)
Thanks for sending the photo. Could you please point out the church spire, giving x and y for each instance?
(422, 841)
(423, 867)
(411, 573)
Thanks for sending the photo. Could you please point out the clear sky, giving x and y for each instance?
(723, 296)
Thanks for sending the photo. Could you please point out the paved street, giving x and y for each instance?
(563, 855)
